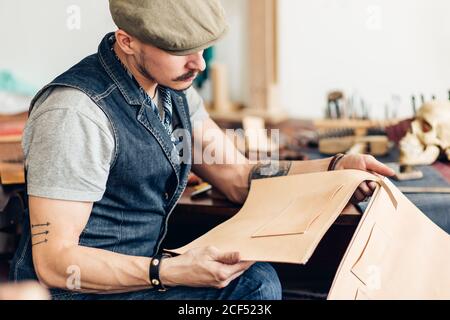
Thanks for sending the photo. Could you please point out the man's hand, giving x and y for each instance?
(364, 163)
(202, 268)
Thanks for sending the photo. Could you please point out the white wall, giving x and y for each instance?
(232, 50)
(374, 47)
(37, 43)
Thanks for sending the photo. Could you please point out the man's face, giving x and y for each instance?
(175, 72)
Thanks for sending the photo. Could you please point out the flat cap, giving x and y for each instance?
(180, 27)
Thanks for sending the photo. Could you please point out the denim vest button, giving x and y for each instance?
(166, 196)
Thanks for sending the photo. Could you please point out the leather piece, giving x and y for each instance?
(394, 254)
(277, 224)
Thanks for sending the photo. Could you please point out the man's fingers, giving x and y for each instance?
(226, 283)
(235, 276)
(227, 273)
(372, 185)
(222, 257)
(374, 165)
(238, 267)
(359, 196)
(230, 258)
(364, 188)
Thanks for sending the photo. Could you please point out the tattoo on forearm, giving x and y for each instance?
(40, 225)
(40, 233)
(270, 170)
(42, 230)
(40, 242)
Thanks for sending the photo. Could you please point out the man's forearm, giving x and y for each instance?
(282, 168)
(91, 270)
(233, 178)
(285, 168)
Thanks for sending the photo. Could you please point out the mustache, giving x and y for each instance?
(187, 76)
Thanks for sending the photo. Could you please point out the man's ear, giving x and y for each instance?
(126, 42)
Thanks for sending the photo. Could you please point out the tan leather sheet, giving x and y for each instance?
(284, 219)
(396, 253)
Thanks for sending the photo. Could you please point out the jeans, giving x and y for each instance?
(259, 282)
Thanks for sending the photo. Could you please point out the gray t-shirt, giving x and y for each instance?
(69, 145)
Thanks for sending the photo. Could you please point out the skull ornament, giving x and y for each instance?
(429, 135)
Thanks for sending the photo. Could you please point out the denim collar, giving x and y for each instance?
(126, 84)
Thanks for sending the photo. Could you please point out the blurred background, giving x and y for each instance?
(380, 52)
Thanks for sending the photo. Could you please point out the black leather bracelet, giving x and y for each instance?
(335, 161)
(155, 263)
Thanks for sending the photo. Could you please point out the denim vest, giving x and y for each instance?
(146, 177)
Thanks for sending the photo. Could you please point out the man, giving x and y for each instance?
(104, 170)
